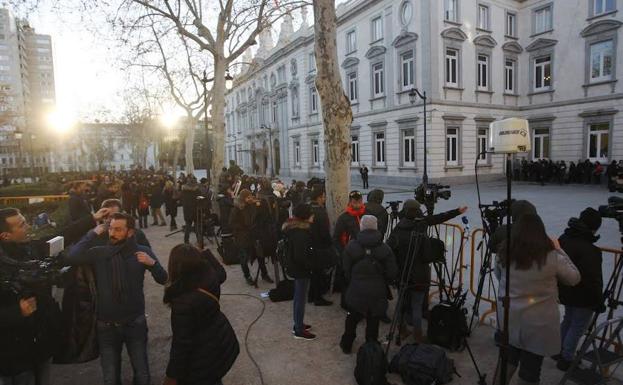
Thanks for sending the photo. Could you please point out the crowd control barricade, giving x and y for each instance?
(12, 201)
(454, 237)
(607, 254)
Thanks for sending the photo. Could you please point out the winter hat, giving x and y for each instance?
(368, 222)
(591, 218)
(411, 209)
(303, 211)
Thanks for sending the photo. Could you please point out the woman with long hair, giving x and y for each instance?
(204, 345)
(537, 264)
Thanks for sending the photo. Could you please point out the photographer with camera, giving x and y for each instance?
(584, 299)
(242, 222)
(120, 268)
(538, 263)
(374, 206)
(400, 241)
(29, 320)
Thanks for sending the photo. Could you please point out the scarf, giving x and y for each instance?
(357, 213)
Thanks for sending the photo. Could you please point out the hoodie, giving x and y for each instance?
(375, 207)
(578, 241)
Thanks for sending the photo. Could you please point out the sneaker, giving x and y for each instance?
(266, 278)
(322, 302)
(305, 326)
(305, 336)
(563, 364)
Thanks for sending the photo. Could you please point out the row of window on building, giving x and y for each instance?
(597, 146)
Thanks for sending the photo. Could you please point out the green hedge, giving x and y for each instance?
(34, 189)
(57, 211)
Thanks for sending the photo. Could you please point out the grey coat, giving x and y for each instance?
(534, 318)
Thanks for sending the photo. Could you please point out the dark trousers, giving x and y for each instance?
(245, 259)
(350, 328)
(318, 285)
(142, 221)
(300, 299)
(364, 179)
(529, 364)
(39, 376)
(111, 339)
(189, 224)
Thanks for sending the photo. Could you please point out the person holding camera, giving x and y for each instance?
(242, 223)
(538, 263)
(120, 268)
(401, 242)
(29, 319)
(584, 299)
(369, 266)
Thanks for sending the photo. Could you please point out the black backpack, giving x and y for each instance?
(423, 365)
(285, 288)
(227, 249)
(447, 326)
(371, 365)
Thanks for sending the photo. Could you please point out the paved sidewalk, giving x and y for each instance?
(286, 361)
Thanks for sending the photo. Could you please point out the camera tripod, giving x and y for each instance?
(404, 287)
(394, 218)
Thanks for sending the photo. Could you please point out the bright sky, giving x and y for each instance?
(87, 74)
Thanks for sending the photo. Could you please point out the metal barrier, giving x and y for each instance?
(8, 201)
(453, 236)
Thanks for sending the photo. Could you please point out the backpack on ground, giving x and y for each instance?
(371, 364)
(423, 365)
(447, 326)
(283, 292)
(227, 249)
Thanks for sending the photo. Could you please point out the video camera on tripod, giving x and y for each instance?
(493, 214)
(429, 194)
(614, 210)
(25, 278)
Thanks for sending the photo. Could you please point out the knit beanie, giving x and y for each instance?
(411, 209)
(368, 222)
(591, 218)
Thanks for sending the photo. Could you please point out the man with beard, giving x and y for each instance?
(120, 271)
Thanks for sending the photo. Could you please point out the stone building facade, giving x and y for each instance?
(552, 62)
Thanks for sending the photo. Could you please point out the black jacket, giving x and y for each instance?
(369, 265)
(347, 227)
(241, 222)
(300, 253)
(25, 341)
(375, 207)
(401, 238)
(226, 205)
(578, 242)
(156, 198)
(189, 195)
(325, 254)
(78, 207)
(265, 224)
(204, 345)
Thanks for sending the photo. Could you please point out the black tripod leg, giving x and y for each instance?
(257, 274)
(484, 272)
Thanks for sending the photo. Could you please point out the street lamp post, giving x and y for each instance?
(32, 156)
(413, 94)
(18, 136)
(270, 149)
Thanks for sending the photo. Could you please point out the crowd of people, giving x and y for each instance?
(583, 172)
(361, 258)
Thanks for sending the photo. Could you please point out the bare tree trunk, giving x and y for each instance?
(190, 141)
(176, 155)
(337, 115)
(216, 153)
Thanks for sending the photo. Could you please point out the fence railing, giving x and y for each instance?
(453, 236)
(8, 201)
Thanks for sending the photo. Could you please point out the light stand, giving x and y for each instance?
(505, 345)
(413, 94)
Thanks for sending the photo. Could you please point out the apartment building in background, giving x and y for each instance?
(553, 62)
(27, 95)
